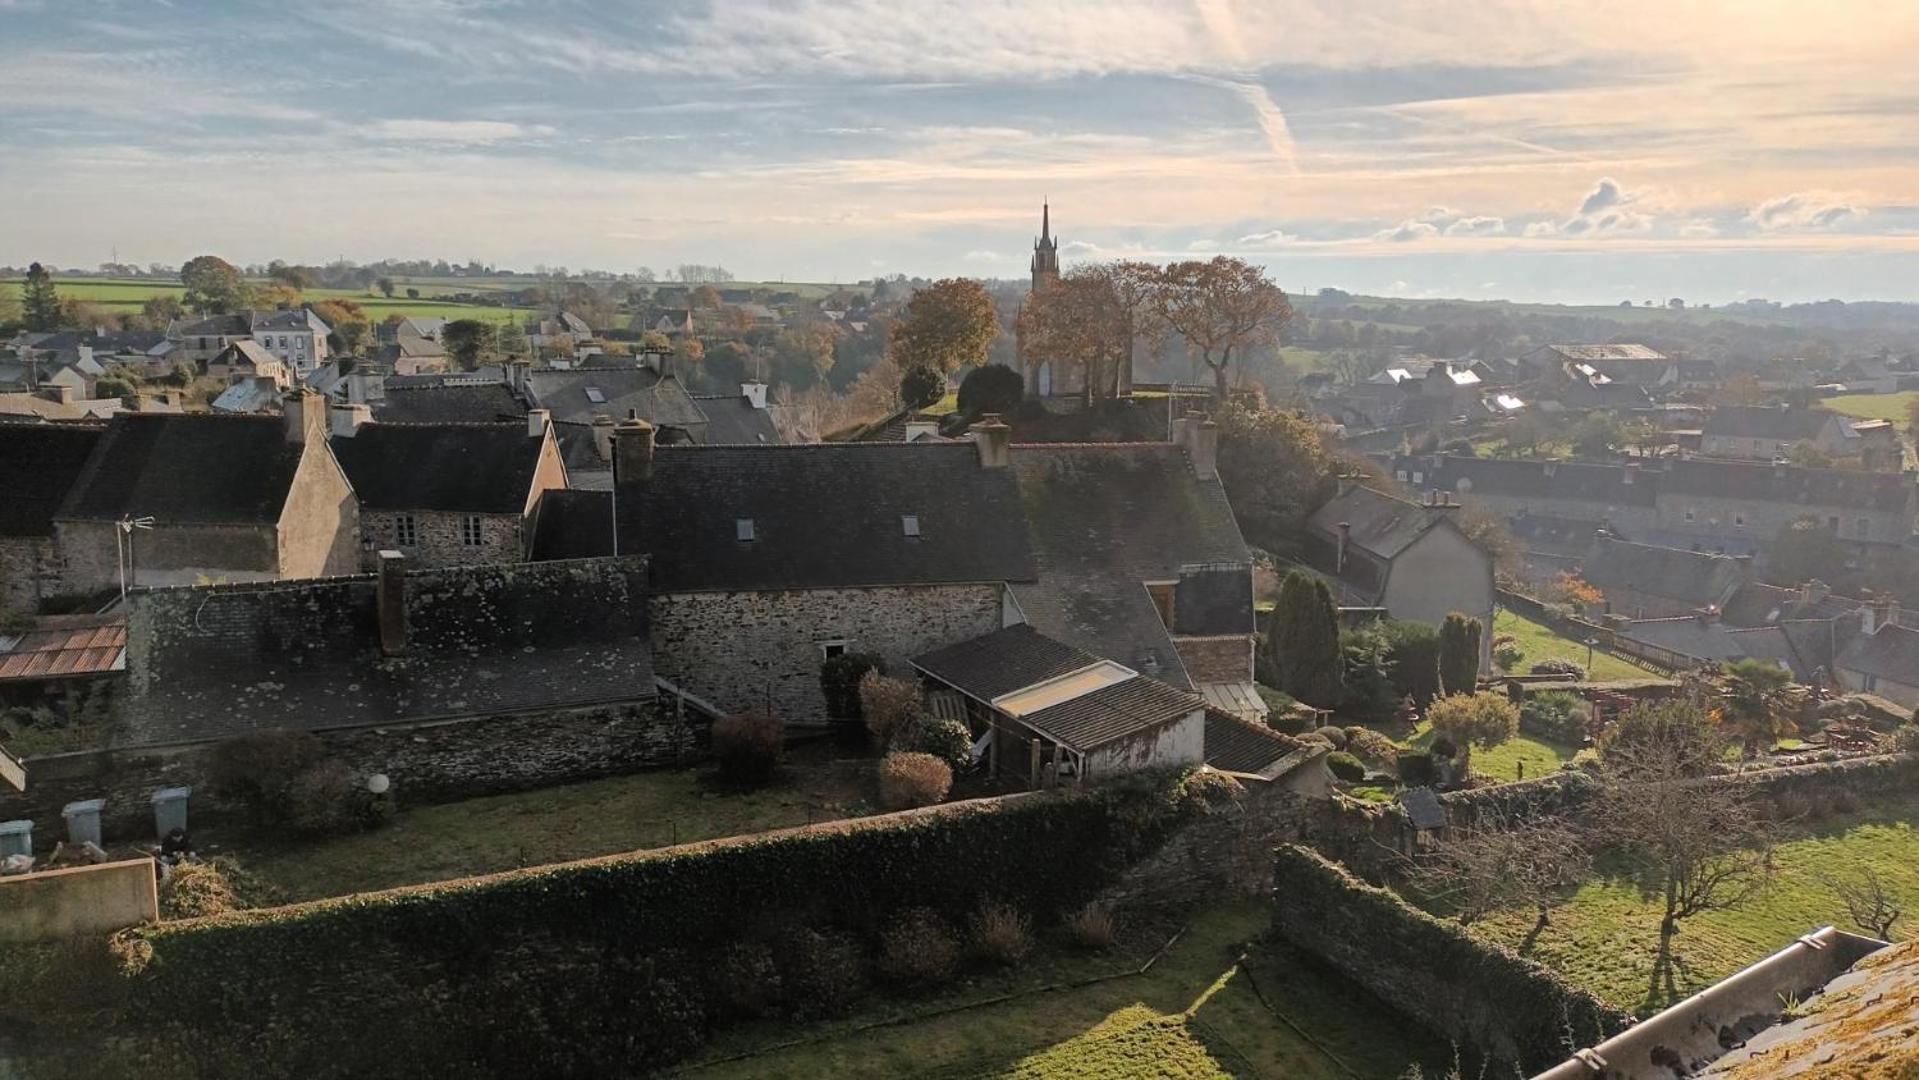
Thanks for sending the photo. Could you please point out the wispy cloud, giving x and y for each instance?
(1804, 210)
(456, 131)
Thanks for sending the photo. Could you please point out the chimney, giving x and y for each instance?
(754, 392)
(1631, 475)
(303, 416)
(603, 437)
(348, 418)
(1345, 533)
(1880, 611)
(995, 442)
(516, 376)
(1814, 591)
(390, 600)
(921, 429)
(363, 387)
(632, 451)
(1203, 446)
(1707, 615)
(57, 392)
(536, 422)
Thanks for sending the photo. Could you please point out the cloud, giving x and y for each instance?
(456, 131)
(984, 256)
(1698, 228)
(1607, 194)
(1804, 210)
(1408, 231)
(1269, 238)
(1606, 209)
(1480, 225)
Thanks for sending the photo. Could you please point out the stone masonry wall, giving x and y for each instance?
(1217, 659)
(440, 539)
(1232, 850)
(30, 571)
(168, 554)
(753, 650)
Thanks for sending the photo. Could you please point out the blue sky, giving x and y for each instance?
(1506, 148)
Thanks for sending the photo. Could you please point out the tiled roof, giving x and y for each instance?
(1003, 661)
(470, 468)
(187, 467)
(825, 516)
(1114, 712)
(1763, 481)
(1236, 745)
(1612, 484)
(570, 395)
(1757, 604)
(1754, 422)
(290, 319)
(65, 646)
(1687, 576)
(1606, 352)
(39, 465)
(246, 352)
(442, 403)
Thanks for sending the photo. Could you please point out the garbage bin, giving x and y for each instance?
(16, 838)
(170, 810)
(83, 821)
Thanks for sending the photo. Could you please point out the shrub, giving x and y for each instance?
(1458, 659)
(1556, 715)
(1345, 766)
(840, 682)
(821, 973)
(913, 779)
(918, 948)
(1789, 806)
(749, 747)
(1508, 656)
(1314, 738)
(921, 386)
(1443, 747)
(1370, 746)
(887, 705)
(1559, 667)
(746, 982)
(324, 800)
(1335, 736)
(1484, 719)
(946, 739)
(258, 769)
(1000, 934)
(1416, 769)
(1412, 651)
(991, 388)
(1091, 927)
(1295, 721)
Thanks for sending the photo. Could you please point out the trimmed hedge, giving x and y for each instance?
(1502, 1005)
(447, 974)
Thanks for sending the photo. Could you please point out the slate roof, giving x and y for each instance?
(1758, 604)
(1891, 652)
(65, 646)
(660, 401)
(1584, 481)
(446, 403)
(187, 467)
(1382, 525)
(1687, 576)
(1605, 352)
(468, 468)
(39, 465)
(31, 408)
(1113, 712)
(824, 516)
(290, 319)
(1236, 745)
(1765, 481)
(1721, 643)
(732, 420)
(1003, 661)
(246, 352)
(1423, 808)
(1105, 519)
(1757, 422)
(230, 325)
(257, 394)
(574, 524)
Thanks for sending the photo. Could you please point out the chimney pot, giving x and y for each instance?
(536, 422)
(603, 437)
(1345, 534)
(995, 441)
(390, 599)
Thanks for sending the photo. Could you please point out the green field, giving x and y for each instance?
(1503, 762)
(1538, 642)
(122, 297)
(1606, 937)
(1195, 1014)
(1894, 407)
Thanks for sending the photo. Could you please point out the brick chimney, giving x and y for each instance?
(632, 451)
(348, 418)
(537, 421)
(390, 600)
(995, 441)
(303, 416)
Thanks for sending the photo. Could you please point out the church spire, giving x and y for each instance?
(1045, 221)
(1045, 250)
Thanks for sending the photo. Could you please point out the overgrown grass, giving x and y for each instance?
(1605, 938)
(1195, 1014)
(575, 821)
(1539, 642)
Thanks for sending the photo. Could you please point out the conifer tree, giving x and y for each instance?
(1459, 654)
(1304, 641)
(39, 301)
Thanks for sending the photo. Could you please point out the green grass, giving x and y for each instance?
(1892, 407)
(1606, 936)
(576, 821)
(1540, 643)
(121, 296)
(1503, 762)
(1195, 1014)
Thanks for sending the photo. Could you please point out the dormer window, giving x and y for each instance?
(743, 530)
(910, 525)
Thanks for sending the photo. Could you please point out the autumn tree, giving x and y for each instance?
(297, 278)
(1303, 641)
(655, 342)
(1274, 469)
(1221, 308)
(1074, 326)
(946, 325)
(1484, 719)
(1459, 654)
(39, 300)
(349, 323)
(161, 310)
(214, 285)
(704, 297)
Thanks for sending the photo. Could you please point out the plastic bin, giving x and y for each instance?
(83, 821)
(16, 838)
(170, 810)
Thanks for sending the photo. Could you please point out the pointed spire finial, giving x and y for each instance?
(1045, 219)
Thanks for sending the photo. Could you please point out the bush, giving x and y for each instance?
(1294, 721)
(921, 386)
(1412, 653)
(918, 948)
(1508, 656)
(1416, 769)
(1559, 667)
(1000, 934)
(1091, 927)
(887, 705)
(746, 982)
(1335, 737)
(840, 683)
(1443, 747)
(258, 769)
(1556, 715)
(993, 388)
(821, 973)
(749, 747)
(1371, 747)
(946, 739)
(325, 800)
(1345, 766)
(913, 779)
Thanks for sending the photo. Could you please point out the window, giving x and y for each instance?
(1419, 478)
(593, 395)
(1400, 475)
(300, 344)
(836, 647)
(743, 530)
(1739, 521)
(910, 525)
(1689, 514)
(406, 532)
(470, 530)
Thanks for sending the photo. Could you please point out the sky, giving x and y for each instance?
(1578, 152)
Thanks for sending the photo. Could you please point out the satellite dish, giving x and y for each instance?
(378, 783)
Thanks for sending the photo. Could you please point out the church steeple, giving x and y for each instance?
(1045, 250)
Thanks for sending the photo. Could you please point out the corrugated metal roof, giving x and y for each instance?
(65, 646)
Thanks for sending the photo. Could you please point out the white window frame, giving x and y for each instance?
(472, 530)
(406, 530)
(745, 530)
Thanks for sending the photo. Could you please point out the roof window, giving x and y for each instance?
(743, 530)
(593, 395)
(910, 525)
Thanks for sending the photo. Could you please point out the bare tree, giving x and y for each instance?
(1499, 862)
(1221, 307)
(1869, 902)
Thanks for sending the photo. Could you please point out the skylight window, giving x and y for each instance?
(593, 395)
(743, 530)
(910, 525)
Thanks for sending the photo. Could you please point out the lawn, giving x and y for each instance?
(1605, 938)
(575, 821)
(1195, 1014)
(1877, 406)
(1504, 762)
(1539, 642)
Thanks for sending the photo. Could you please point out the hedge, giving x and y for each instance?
(1500, 1004)
(601, 966)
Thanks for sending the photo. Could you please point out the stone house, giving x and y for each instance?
(248, 360)
(1637, 365)
(1412, 559)
(295, 336)
(198, 339)
(42, 463)
(447, 494)
(1741, 431)
(1646, 581)
(229, 498)
(1883, 658)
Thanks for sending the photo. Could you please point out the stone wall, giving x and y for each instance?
(1227, 658)
(80, 900)
(30, 571)
(755, 650)
(440, 538)
(167, 554)
(1226, 850)
(319, 526)
(442, 761)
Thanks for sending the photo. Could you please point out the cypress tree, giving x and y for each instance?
(39, 302)
(1304, 640)
(1459, 654)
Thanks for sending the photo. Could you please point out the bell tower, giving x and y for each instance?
(1045, 251)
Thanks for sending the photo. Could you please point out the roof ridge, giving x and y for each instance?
(1131, 444)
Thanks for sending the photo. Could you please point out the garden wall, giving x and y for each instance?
(1482, 996)
(79, 900)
